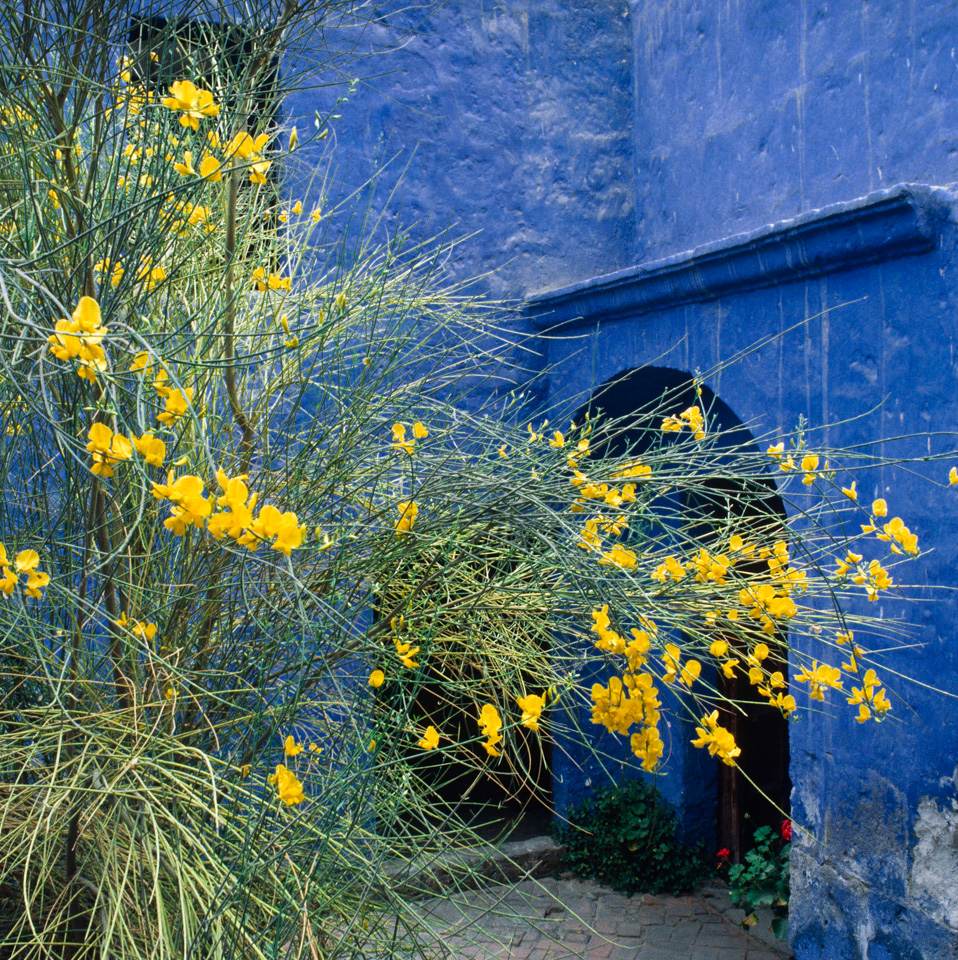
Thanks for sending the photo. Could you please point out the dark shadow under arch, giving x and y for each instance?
(751, 503)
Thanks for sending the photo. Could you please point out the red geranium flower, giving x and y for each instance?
(787, 829)
(724, 854)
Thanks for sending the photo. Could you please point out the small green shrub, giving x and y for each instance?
(625, 837)
(763, 880)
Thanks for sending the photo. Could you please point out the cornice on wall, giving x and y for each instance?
(897, 222)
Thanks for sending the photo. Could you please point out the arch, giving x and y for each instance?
(739, 804)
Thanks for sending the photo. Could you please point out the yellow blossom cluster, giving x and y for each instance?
(692, 417)
(819, 677)
(81, 338)
(235, 520)
(288, 787)
(430, 739)
(719, 741)
(400, 441)
(405, 651)
(193, 103)
(408, 511)
(108, 449)
(686, 673)
(873, 578)
(531, 707)
(25, 562)
(270, 281)
(176, 401)
(771, 602)
(631, 700)
(871, 704)
(141, 629)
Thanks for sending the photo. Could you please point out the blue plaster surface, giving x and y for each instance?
(512, 119)
(874, 343)
(592, 145)
(756, 110)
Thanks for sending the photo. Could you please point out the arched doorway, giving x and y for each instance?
(756, 793)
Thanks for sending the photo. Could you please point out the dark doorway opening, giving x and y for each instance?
(508, 797)
(491, 650)
(756, 792)
(752, 506)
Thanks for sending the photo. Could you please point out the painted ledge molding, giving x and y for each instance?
(903, 220)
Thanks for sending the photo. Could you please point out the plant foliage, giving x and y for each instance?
(625, 837)
(763, 880)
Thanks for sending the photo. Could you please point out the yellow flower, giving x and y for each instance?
(419, 431)
(558, 440)
(759, 653)
(618, 556)
(531, 707)
(271, 281)
(144, 631)
(291, 748)
(141, 362)
(952, 476)
(718, 648)
(194, 104)
(290, 790)
(108, 449)
(376, 679)
(406, 651)
(246, 148)
(26, 561)
(819, 677)
(850, 492)
(289, 533)
(8, 583)
(408, 511)
(185, 169)
(720, 741)
(176, 405)
(775, 451)
(80, 338)
(190, 507)
(690, 672)
(35, 582)
(399, 439)
(880, 508)
(490, 725)
(151, 448)
(430, 739)
(211, 169)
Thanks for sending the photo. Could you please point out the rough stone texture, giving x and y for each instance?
(510, 119)
(567, 919)
(462, 869)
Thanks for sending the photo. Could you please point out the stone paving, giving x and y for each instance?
(564, 919)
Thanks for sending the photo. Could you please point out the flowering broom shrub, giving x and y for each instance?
(244, 517)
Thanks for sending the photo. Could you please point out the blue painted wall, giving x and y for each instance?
(583, 138)
(877, 338)
(749, 111)
(511, 121)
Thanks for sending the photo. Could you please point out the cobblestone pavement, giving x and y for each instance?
(564, 919)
